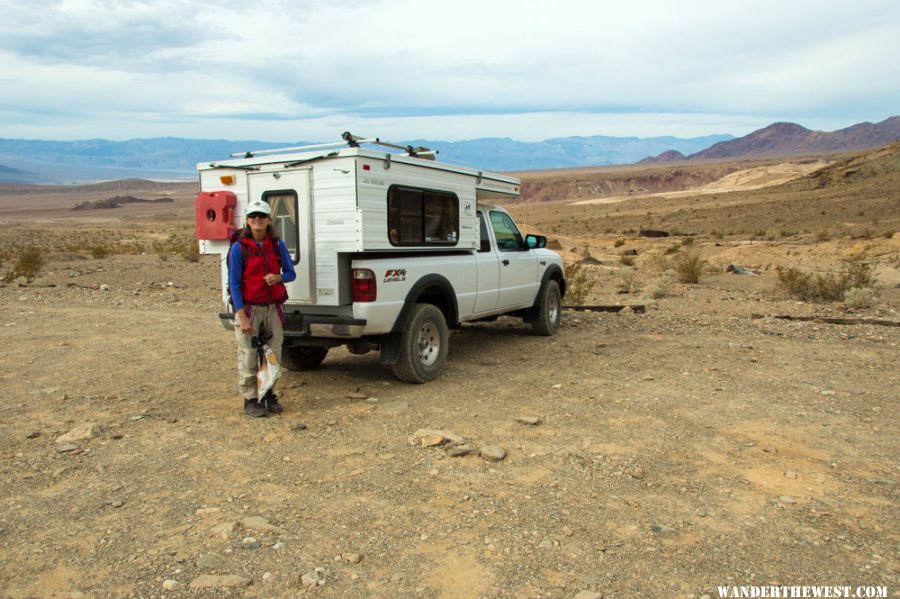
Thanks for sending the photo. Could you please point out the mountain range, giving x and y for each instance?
(786, 139)
(171, 158)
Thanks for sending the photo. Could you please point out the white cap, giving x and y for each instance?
(259, 206)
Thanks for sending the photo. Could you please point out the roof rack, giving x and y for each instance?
(353, 141)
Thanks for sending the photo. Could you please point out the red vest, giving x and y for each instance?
(257, 264)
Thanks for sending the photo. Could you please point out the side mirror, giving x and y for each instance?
(536, 241)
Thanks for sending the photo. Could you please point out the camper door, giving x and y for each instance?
(288, 193)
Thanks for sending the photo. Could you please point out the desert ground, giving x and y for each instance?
(728, 434)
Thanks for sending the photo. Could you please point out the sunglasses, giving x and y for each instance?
(256, 215)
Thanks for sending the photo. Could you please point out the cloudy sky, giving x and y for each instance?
(286, 70)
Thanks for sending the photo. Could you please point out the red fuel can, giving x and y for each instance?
(215, 214)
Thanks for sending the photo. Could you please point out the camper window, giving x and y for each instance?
(422, 217)
(284, 219)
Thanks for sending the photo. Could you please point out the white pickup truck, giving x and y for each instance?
(391, 250)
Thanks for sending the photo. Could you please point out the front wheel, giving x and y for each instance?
(423, 345)
(549, 310)
(302, 357)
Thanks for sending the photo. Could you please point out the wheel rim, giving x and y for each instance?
(428, 344)
(553, 309)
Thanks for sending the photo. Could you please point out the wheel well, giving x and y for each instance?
(438, 297)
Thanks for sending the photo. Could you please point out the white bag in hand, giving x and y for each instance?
(269, 370)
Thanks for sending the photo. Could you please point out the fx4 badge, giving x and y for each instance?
(394, 275)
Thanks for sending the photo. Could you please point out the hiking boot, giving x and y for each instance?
(271, 402)
(254, 409)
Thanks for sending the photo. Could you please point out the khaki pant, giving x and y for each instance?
(247, 355)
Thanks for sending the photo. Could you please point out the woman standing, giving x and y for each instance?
(258, 266)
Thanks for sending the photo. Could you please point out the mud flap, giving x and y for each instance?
(390, 349)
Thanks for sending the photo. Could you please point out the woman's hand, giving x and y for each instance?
(272, 279)
(244, 322)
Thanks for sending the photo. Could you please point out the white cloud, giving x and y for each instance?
(440, 69)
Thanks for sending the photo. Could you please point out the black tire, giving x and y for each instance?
(549, 310)
(423, 345)
(302, 357)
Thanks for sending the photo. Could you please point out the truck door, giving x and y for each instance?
(518, 264)
(288, 193)
(488, 270)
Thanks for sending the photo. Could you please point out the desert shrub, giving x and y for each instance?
(887, 234)
(822, 235)
(663, 286)
(688, 267)
(191, 253)
(626, 260)
(687, 241)
(627, 281)
(672, 249)
(99, 251)
(579, 283)
(618, 243)
(829, 287)
(859, 297)
(28, 263)
(657, 262)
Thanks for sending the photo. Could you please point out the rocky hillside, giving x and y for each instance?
(792, 139)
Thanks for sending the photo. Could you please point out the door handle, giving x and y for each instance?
(505, 262)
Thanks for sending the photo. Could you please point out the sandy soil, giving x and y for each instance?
(673, 451)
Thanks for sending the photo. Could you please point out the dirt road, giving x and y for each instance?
(674, 451)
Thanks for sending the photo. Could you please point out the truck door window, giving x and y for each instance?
(422, 217)
(284, 219)
(506, 233)
(483, 233)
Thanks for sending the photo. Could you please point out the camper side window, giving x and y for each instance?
(284, 219)
(422, 216)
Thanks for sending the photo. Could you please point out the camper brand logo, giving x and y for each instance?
(394, 275)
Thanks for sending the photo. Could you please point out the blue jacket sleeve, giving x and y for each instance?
(288, 273)
(236, 275)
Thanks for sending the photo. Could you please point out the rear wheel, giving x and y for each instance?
(549, 310)
(302, 357)
(423, 345)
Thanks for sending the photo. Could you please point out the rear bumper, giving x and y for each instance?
(297, 325)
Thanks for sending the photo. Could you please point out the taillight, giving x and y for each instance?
(364, 288)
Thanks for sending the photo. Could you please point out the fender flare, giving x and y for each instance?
(554, 271)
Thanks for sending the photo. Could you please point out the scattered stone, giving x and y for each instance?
(461, 450)
(357, 395)
(588, 595)
(787, 499)
(206, 511)
(557, 386)
(104, 287)
(68, 448)
(546, 544)
(223, 530)
(299, 427)
(769, 449)
(210, 561)
(311, 579)
(207, 581)
(267, 577)
(430, 432)
(827, 392)
(529, 420)
(278, 546)
(80, 433)
(661, 529)
(637, 472)
(791, 474)
(493, 453)
(171, 585)
(433, 440)
(250, 543)
(118, 503)
(351, 558)
(33, 435)
(260, 524)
